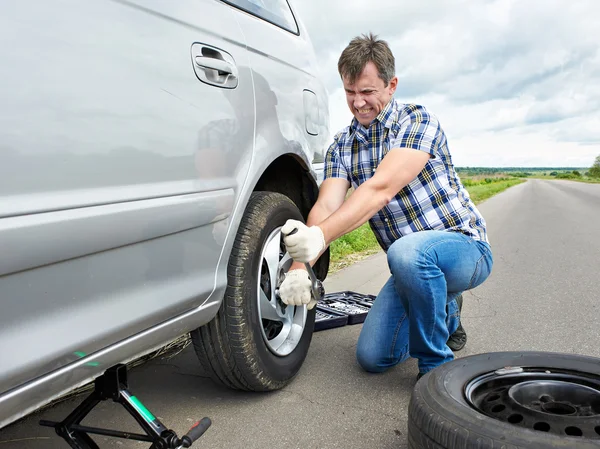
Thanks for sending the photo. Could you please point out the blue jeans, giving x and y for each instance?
(416, 310)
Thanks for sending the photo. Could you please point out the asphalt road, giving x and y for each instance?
(542, 295)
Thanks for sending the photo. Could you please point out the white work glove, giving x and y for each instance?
(295, 290)
(306, 244)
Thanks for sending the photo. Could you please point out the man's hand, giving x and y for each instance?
(295, 290)
(306, 244)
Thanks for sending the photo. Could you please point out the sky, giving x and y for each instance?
(513, 83)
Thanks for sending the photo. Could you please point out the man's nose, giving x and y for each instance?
(359, 101)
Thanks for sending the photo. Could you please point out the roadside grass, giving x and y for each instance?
(585, 179)
(352, 247)
(362, 243)
(483, 191)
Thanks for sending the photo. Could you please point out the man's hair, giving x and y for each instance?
(360, 51)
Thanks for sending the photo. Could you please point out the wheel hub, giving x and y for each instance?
(561, 402)
(556, 397)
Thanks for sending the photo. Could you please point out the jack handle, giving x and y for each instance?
(196, 431)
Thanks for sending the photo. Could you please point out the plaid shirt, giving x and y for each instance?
(434, 200)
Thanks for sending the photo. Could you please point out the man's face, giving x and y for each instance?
(368, 95)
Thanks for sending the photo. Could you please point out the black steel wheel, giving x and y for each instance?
(508, 400)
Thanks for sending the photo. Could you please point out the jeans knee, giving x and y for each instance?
(405, 259)
(369, 361)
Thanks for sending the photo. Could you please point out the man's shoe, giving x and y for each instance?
(458, 339)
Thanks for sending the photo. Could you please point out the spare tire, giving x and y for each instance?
(508, 400)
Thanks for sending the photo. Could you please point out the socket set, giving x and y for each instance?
(352, 297)
(329, 320)
(355, 311)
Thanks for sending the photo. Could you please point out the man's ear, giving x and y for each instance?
(393, 84)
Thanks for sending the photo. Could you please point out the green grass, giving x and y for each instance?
(361, 242)
(582, 179)
(353, 246)
(481, 192)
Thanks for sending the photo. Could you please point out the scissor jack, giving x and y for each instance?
(113, 385)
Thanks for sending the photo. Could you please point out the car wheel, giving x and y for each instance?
(508, 400)
(256, 342)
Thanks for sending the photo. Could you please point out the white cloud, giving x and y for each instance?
(506, 71)
(516, 149)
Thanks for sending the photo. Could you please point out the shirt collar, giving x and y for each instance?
(387, 115)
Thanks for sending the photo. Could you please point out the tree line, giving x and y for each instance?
(522, 172)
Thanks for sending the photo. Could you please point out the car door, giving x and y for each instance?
(292, 114)
(126, 129)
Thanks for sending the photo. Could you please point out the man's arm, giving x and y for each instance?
(332, 194)
(396, 170)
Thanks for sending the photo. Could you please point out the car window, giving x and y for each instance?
(278, 12)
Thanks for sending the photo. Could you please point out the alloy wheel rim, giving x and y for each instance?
(282, 326)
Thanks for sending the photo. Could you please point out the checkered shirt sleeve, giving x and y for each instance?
(334, 166)
(419, 130)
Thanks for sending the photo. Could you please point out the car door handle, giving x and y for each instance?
(215, 64)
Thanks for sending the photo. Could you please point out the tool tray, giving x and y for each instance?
(336, 303)
(329, 319)
(353, 297)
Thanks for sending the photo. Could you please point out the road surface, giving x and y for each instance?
(542, 295)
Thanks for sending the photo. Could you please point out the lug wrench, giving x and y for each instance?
(318, 291)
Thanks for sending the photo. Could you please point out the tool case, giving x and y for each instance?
(329, 319)
(341, 308)
(351, 304)
(353, 297)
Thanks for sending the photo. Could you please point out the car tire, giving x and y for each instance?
(508, 400)
(243, 348)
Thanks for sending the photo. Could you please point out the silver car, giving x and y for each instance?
(150, 151)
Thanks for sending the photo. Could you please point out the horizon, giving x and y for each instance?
(519, 167)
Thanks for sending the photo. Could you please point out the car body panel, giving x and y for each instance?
(289, 93)
(124, 173)
(278, 59)
(21, 401)
(110, 172)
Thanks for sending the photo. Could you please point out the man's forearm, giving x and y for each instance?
(396, 170)
(356, 210)
(317, 215)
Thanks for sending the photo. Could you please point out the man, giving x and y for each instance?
(397, 159)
